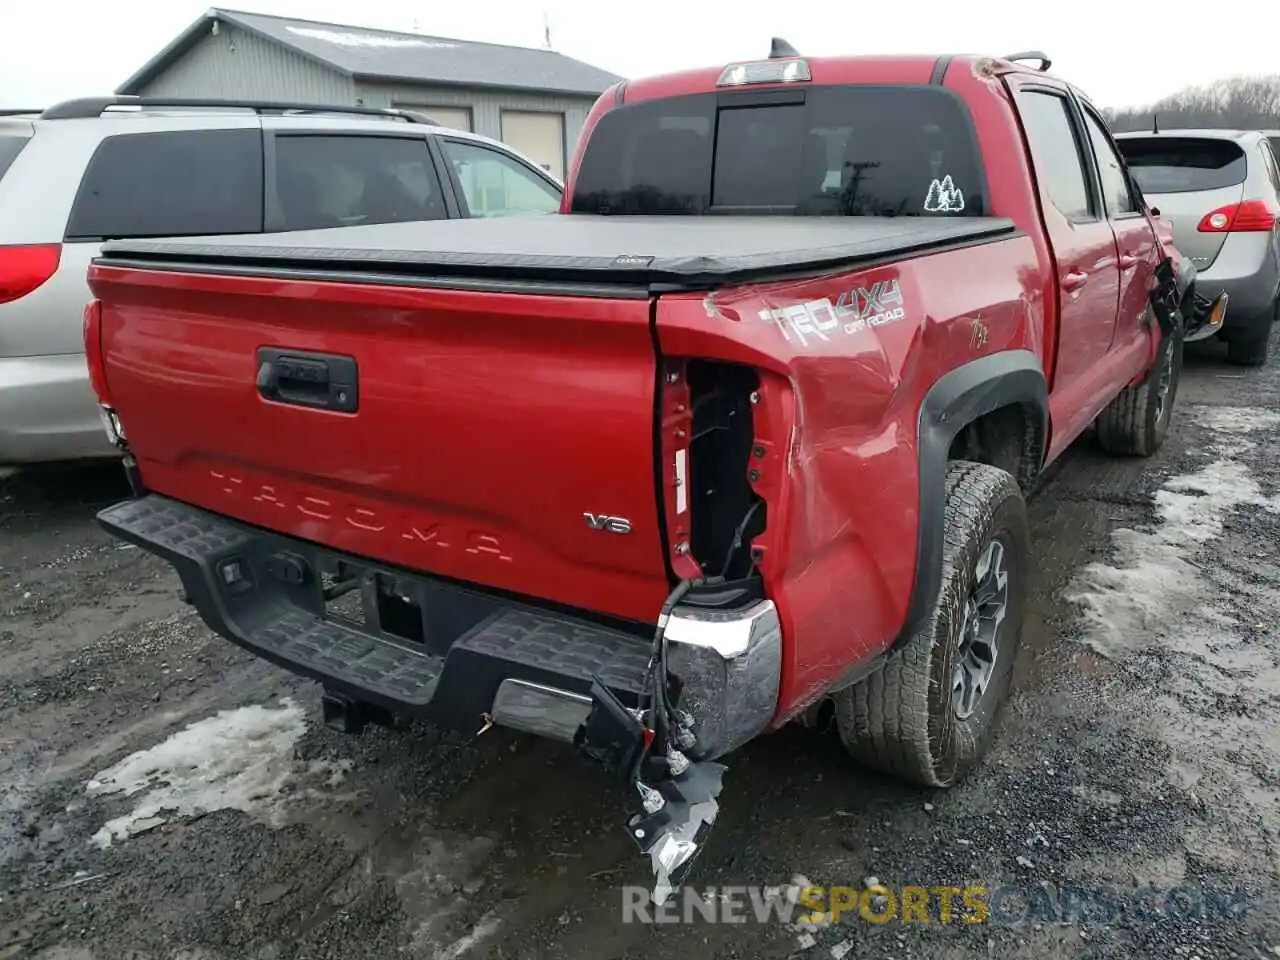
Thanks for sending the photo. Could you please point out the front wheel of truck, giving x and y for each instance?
(1136, 422)
(928, 714)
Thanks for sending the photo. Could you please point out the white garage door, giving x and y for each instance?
(456, 118)
(539, 136)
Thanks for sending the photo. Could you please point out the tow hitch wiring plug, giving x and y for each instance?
(645, 747)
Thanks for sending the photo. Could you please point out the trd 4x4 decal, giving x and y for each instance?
(852, 312)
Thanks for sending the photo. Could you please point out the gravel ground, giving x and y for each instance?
(164, 795)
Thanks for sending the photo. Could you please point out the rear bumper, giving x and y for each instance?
(48, 411)
(448, 653)
(1248, 270)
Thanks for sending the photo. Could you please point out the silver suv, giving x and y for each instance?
(1220, 189)
(89, 170)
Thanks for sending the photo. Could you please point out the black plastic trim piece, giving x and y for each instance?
(956, 400)
(1187, 273)
(729, 595)
(1045, 62)
(659, 488)
(573, 288)
(779, 49)
(939, 74)
(471, 641)
(575, 250)
(870, 263)
(732, 99)
(447, 176)
(134, 475)
(477, 284)
(85, 108)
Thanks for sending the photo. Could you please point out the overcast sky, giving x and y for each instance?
(1121, 54)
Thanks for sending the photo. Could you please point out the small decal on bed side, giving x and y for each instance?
(944, 197)
(632, 260)
(978, 334)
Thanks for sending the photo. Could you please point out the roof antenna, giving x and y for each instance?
(546, 31)
(1155, 123)
(780, 49)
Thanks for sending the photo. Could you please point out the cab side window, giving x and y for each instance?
(1116, 192)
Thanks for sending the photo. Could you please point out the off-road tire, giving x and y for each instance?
(901, 719)
(1135, 423)
(1251, 351)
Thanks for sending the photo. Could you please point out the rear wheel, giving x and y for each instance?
(1136, 422)
(927, 715)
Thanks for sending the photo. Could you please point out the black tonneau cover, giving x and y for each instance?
(648, 251)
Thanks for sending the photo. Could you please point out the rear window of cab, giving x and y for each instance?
(854, 150)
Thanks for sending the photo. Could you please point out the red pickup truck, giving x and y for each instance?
(745, 429)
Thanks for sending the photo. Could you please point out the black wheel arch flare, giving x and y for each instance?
(957, 399)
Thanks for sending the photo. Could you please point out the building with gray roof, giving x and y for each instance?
(535, 100)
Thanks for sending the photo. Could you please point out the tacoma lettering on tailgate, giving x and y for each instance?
(437, 534)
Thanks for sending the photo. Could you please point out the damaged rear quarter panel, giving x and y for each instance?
(843, 375)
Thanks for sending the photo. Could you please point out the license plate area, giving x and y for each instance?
(373, 600)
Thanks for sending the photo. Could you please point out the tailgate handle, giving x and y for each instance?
(322, 381)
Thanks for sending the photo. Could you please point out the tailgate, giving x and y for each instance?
(468, 434)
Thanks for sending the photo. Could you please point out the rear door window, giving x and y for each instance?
(1183, 164)
(1055, 152)
(497, 185)
(858, 150)
(10, 147)
(335, 180)
(175, 183)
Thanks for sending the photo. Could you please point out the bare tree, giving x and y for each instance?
(1237, 103)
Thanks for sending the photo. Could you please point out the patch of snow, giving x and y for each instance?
(236, 760)
(1172, 599)
(488, 925)
(1239, 420)
(17, 793)
(334, 771)
(1152, 592)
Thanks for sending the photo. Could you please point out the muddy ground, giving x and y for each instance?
(1140, 752)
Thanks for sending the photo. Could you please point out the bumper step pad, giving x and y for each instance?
(225, 571)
